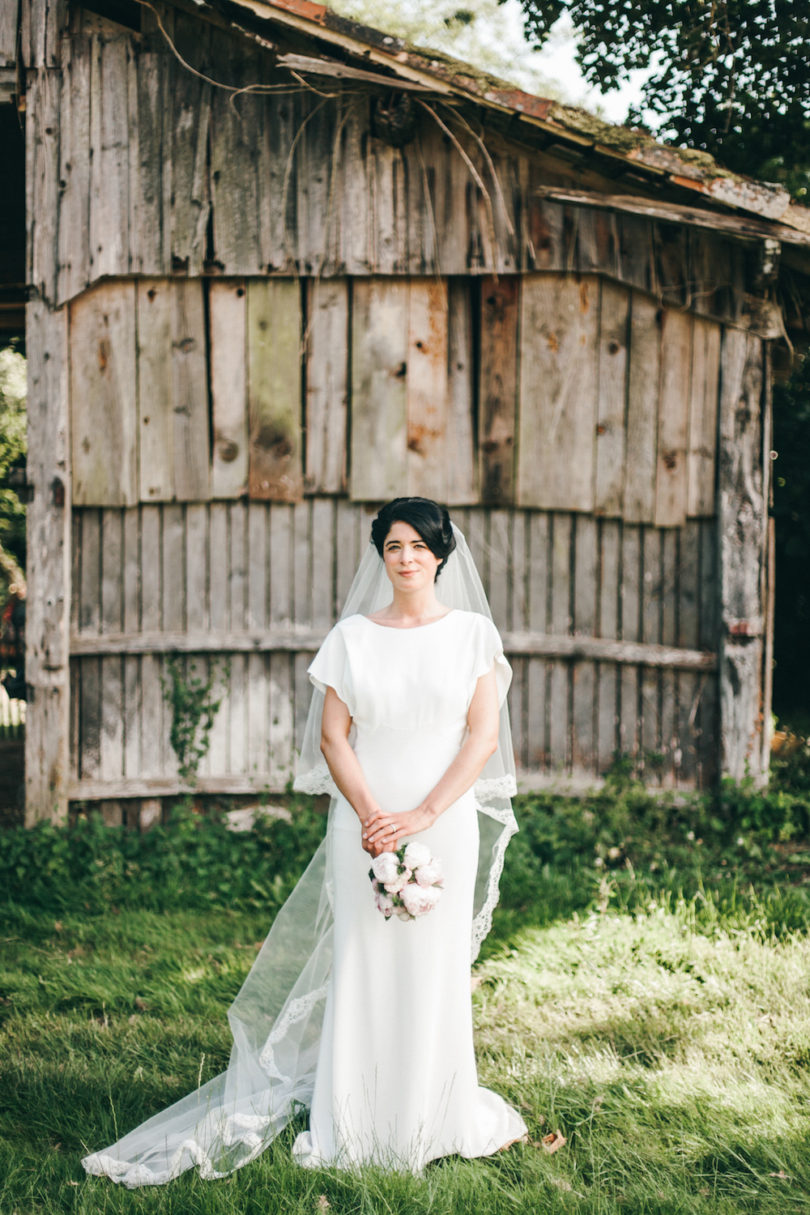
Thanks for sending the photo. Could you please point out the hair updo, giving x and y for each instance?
(426, 517)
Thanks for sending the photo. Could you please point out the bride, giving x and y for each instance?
(363, 1020)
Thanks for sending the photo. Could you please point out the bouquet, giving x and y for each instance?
(406, 883)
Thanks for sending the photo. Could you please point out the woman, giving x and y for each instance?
(367, 1021)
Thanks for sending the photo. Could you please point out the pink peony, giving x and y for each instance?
(418, 900)
(416, 854)
(385, 867)
(385, 904)
(429, 874)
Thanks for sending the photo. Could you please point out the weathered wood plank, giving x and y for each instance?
(607, 720)
(236, 565)
(173, 576)
(228, 353)
(351, 540)
(109, 163)
(303, 557)
(238, 692)
(353, 190)
(281, 565)
(388, 229)
(190, 443)
(742, 521)
(277, 170)
(327, 386)
(89, 765)
(150, 162)
(42, 181)
(517, 610)
(190, 119)
(220, 548)
(538, 577)
(274, 389)
(258, 714)
(630, 608)
(380, 310)
(583, 674)
(258, 565)
(499, 549)
(234, 154)
(172, 391)
(88, 589)
(558, 392)
(323, 563)
(614, 313)
(671, 486)
(498, 387)
(133, 719)
(460, 470)
(42, 25)
(47, 731)
(102, 395)
(155, 395)
(74, 170)
(642, 410)
(559, 710)
(111, 726)
(282, 726)
(154, 713)
(426, 388)
(703, 418)
(197, 574)
(112, 573)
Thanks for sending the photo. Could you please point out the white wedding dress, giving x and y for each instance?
(365, 1022)
(396, 1080)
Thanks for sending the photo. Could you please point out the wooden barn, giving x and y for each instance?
(281, 267)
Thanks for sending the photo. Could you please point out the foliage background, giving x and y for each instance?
(12, 453)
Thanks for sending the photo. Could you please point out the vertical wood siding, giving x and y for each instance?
(550, 392)
(141, 167)
(258, 584)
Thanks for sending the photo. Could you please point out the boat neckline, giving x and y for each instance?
(411, 628)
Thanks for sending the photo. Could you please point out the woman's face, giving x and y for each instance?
(409, 563)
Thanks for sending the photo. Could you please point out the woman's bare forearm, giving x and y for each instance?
(461, 775)
(348, 776)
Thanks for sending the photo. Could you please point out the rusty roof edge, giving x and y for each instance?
(687, 168)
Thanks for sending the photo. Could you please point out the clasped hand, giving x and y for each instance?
(383, 831)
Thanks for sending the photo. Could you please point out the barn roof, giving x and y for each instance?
(683, 177)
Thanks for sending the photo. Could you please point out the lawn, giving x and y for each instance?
(644, 993)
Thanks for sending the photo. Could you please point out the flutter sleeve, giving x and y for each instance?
(330, 666)
(488, 653)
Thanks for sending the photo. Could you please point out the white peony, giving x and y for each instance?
(429, 874)
(418, 900)
(416, 854)
(385, 867)
(385, 903)
(399, 882)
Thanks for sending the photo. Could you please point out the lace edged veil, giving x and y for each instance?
(277, 1016)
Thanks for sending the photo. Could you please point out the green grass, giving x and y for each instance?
(654, 1008)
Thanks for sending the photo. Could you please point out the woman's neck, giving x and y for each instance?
(417, 608)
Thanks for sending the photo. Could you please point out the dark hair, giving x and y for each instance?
(426, 517)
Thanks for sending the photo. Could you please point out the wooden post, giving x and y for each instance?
(742, 509)
(49, 514)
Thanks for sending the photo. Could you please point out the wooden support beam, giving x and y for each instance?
(262, 641)
(742, 522)
(49, 573)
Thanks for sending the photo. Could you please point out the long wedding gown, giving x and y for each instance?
(364, 1021)
(396, 1081)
